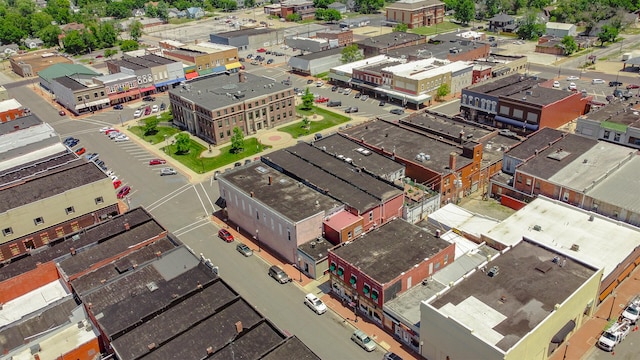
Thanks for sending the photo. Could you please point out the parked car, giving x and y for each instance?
(261, 50)
(597, 81)
(310, 81)
(573, 87)
(163, 106)
(322, 99)
(147, 110)
(225, 235)
(105, 129)
(244, 250)
(91, 156)
(254, 62)
(397, 111)
(167, 171)
(357, 96)
(556, 84)
(241, 59)
(279, 275)
(157, 161)
(121, 138)
(382, 103)
(149, 98)
(72, 143)
(270, 61)
(249, 56)
(112, 131)
(615, 83)
(633, 86)
(391, 356)
(364, 97)
(137, 114)
(124, 192)
(334, 103)
(351, 109)
(154, 109)
(334, 88)
(363, 340)
(347, 91)
(319, 83)
(117, 183)
(114, 134)
(118, 107)
(315, 304)
(81, 151)
(62, 113)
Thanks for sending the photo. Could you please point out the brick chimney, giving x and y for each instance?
(241, 76)
(127, 226)
(452, 161)
(239, 327)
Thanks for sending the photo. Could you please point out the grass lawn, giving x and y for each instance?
(431, 30)
(157, 137)
(330, 119)
(194, 162)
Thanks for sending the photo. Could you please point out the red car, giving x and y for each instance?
(322, 99)
(225, 235)
(157, 162)
(62, 113)
(124, 192)
(117, 183)
(109, 131)
(261, 50)
(147, 111)
(81, 151)
(633, 86)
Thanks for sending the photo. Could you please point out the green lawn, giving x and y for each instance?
(439, 28)
(330, 119)
(201, 164)
(157, 137)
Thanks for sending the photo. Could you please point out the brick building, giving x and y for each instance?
(343, 36)
(383, 44)
(415, 13)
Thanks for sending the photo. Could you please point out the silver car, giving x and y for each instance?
(168, 171)
(244, 250)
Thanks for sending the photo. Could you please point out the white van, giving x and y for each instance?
(597, 81)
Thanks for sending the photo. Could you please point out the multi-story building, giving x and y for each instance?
(79, 96)
(497, 65)
(384, 263)
(10, 110)
(76, 71)
(343, 37)
(519, 104)
(166, 72)
(120, 87)
(303, 8)
(212, 107)
(416, 13)
(616, 122)
(451, 47)
(142, 75)
(386, 43)
(245, 39)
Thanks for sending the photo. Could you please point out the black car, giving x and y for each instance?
(310, 81)
(241, 59)
(238, 164)
(615, 83)
(270, 61)
(268, 52)
(249, 56)
(397, 111)
(381, 103)
(334, 88)
(149, 98)
(163, 106)
(118, 107)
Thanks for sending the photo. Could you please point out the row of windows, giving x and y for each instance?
(257, 212)
(87, 97)
(366, 288)
(519, 114)
(40, 220)
(607, 135)
(483, 104)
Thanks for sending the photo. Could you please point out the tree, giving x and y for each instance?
(249, 3)
(182, 143)
(321, 4)
(307, 100)
(608, 33)
(368, 6)
(401, 27)
(163, 10)
(129, 45)
(237, 141)
(40, 21)
(443, 90)
(107, 34)
(74, 42)
(569, 44)
(351, 53)
(306, 123)
(332, 15)
(531, 28)
(135, 30)
(110, 52)
(49, 35)
(465, 11)
(293, 17)
(118, 10)
(151, 125)
(60, 10)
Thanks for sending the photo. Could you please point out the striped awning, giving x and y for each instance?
(232, 66)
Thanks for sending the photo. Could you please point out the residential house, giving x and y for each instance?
(382, 264)
(175, 13)
(33, 43)
(66, 28)
(195, 13)
(138, 12)
(8, 50)
(79, 96)
(415, 13)
(502, 22)
(560, 30)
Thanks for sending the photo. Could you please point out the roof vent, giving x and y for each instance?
(537, 228)
(575, 247)
(313, 244)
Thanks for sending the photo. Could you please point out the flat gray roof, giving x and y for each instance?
(504, 86)
(19, 124)
(124, 62)
(52, 183)
(393, 248)
(530, 284)
(320, 54)
(618, 187)
(536, 142)
(377, 164)
(440, 51)
(285, 195)
(317, 249)
(407, 143)
(245, 32)
(618, 112)
(386, 40)
(540, 95)
(70, 83)
(213, 92)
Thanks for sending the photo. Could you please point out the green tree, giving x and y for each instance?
(151, 11)
(368, 6)
(107, 34)
(151, 125)
(163, 11)
(249, 3)
(39, 21)
(332, 15)
(60, 10)
(401, 27)
(110, 52)
(237, 141)
(183, 142)
(321, 4)
(569, 44)
(465, 11)
(49, 35)
(443, 90)
(129, 45)
(10, 30)
(608, 33)
(307, 99)
(293, 17)
(351, 53)
(74, 43)
(118, 10)
(135, 30)
(531, 28)
(306, 123)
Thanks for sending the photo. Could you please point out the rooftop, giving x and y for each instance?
(9, 104)
(19, 124)
(440, 51)
(13, 142)
(616, 112)
(377, 67)
(87, 236)
(562, 26)
(427, 68)
(407, 144)
(348, 68)
(539, 95)
(391, 249)
(279, 191)
(71, 83)
(209, 48)
(213, 92)
(575, 228)
(117, 76)
(390, 39)
(626, 177)
(452, 216)
(157, 59)
(291, 348)
(505, 86)
(476, 303)
(50, 184)
(321, 54)
(317, 249)
(555, 156)
(34, 163)
(414, 4)
(59, 70)
(536, 142)
(373, 162)
(31, 302)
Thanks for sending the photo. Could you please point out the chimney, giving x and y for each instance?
(151, 346)
(73, 251)
(241, 76)
(270, 180)
(239, 327)
(127, 226)
(437, 233)
(461, 135)
(251, 193)
(209, 350)
(452, 161)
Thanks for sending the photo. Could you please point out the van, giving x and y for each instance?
(279, 275)
(334, 103)
(597, 81)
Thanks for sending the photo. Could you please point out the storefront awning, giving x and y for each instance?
(192, 75)
(516, 123)
(559, 337)
(232, 66)
(148, 88)
(221, 203)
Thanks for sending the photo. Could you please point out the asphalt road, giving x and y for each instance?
(184, 209)
(627, 349)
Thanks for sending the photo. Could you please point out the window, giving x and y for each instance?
(606, 134)
(8, 231)
(616, 137)
(70, 210)
(341, 272)
(446, 258)
(353, 280)
(366, 289)
(257, 215)
(438, 265)
(99, 200)
(38, 220)
(370, 215)
(528, 181)
(504, 110)
(519, 178)
(517, 113)
(374, 295)
(289, 234)
(221, 135)
(332, 267)
(349, 236)
(532, 117)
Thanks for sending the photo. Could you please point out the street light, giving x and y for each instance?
(612, 304)
(565, 351)
(258, 239)
(355, 306)
(300, 267)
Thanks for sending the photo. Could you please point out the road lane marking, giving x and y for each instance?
(199, 198)
(154, 205)
(208, 198)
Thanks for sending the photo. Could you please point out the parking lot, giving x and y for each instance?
(599, 90)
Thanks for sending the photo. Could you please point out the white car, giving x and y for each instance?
(114, 134)
(573, 86)
(572, 78)
(597, 81)
(347, 91)
(315, 304)
(556, 84)
(154, 108)
(137, 114)
(364, 97)
(105, 129)
(121, 138)
(319, 83)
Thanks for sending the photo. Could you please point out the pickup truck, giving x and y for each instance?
(632, 311)
(614, 335)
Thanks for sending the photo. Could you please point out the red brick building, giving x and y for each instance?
(344, 37)
(416, 13)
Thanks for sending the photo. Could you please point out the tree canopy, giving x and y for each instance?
(237, 141)
(368, 6)
(351, 53)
